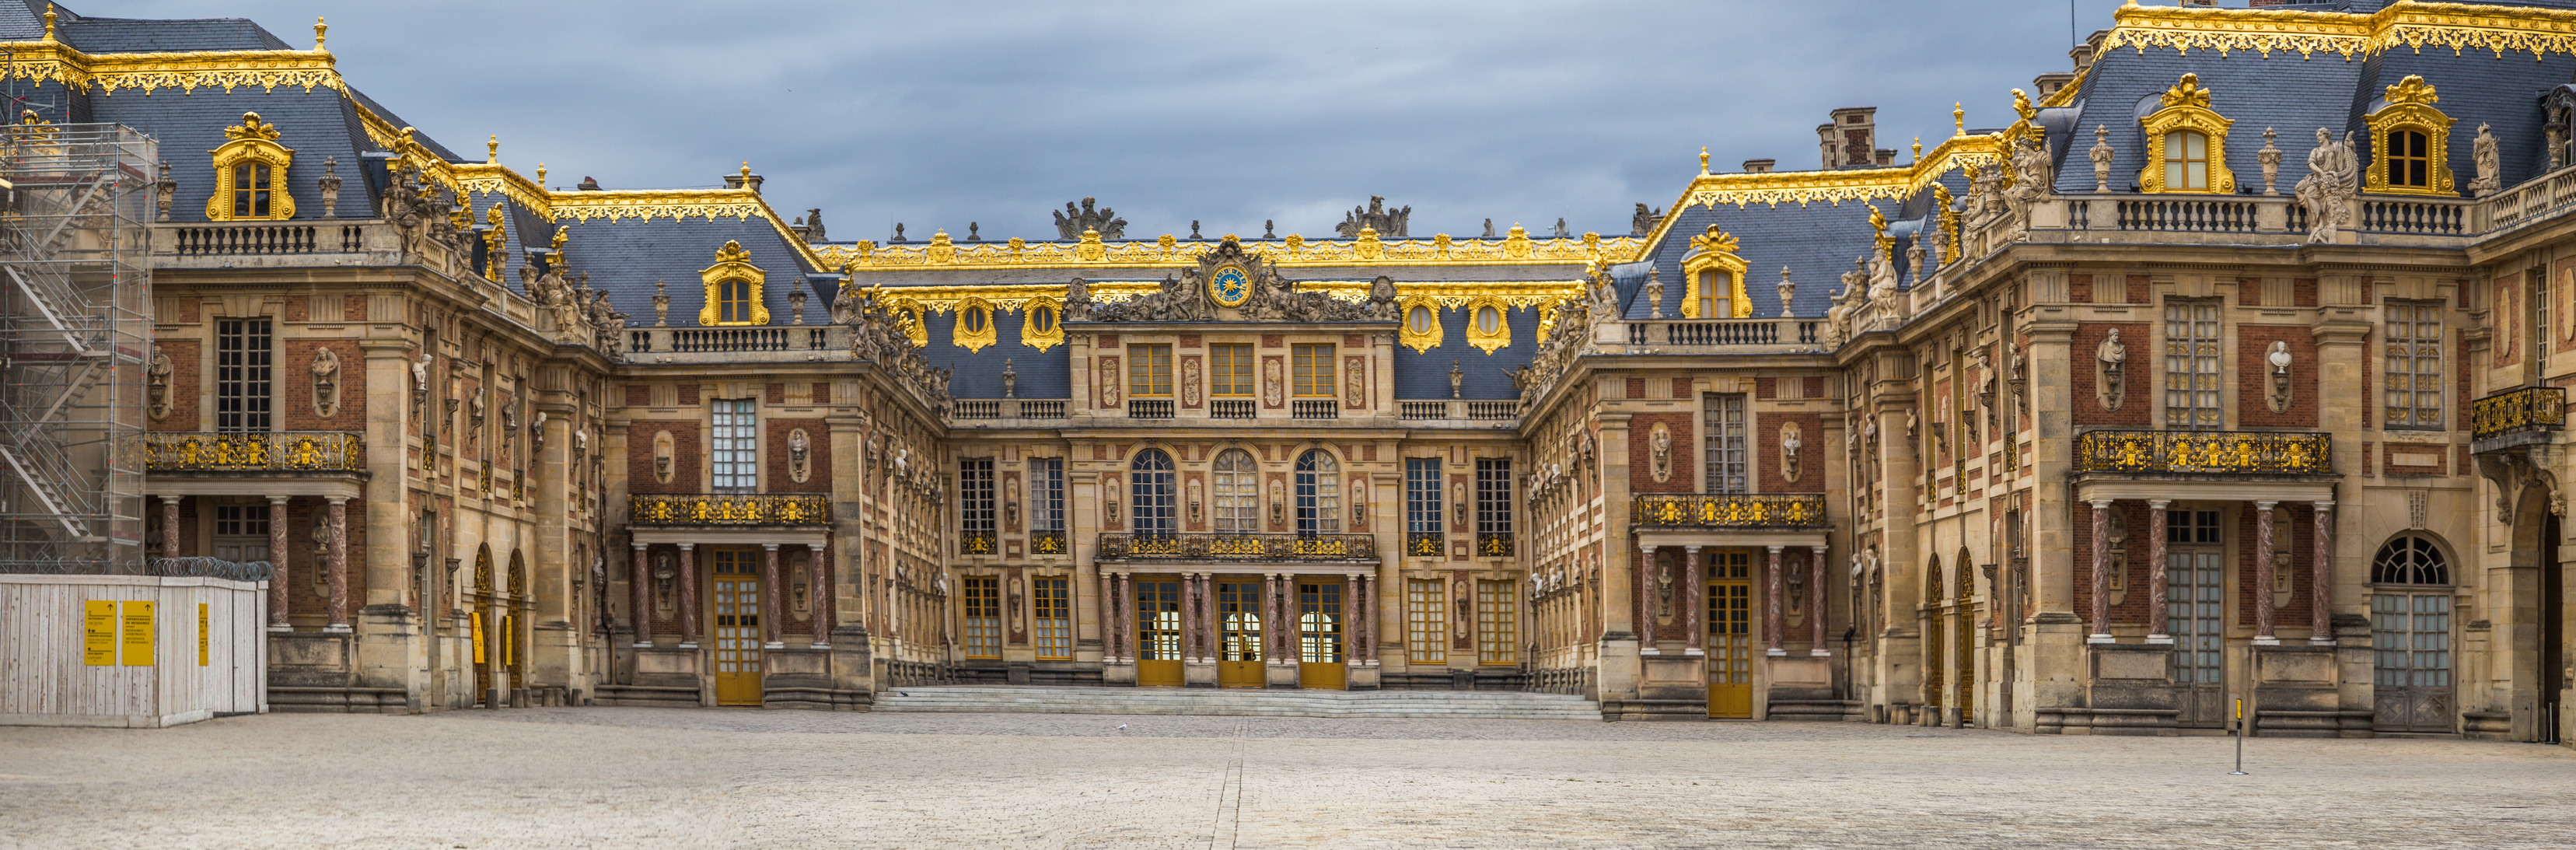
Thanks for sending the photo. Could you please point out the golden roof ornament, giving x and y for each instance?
(746, 174)
(49, 22)
(2022, 107)
(2412, 90)
(561, 233)
(541, 175)
(1703, 159)
(1715, 242)
(251, 128)
(1959, 116)
(495, 216)
(319, 27)
(2189, 93)
(28, 117)
(732, 252)
(1877, 220)
(492, 149)
(1918, 149)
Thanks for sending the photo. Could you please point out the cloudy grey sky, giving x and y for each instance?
(937, 114)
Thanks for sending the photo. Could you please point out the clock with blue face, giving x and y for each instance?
(1230, 286)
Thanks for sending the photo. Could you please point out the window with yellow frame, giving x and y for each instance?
(1042, 324)
(1713, 274)
(250, 174)
(1489, 324)
(2186, 143)
(974, 327)
(733, 289)
(2409, 142)
(1421, 330)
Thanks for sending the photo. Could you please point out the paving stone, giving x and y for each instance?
(630, 777)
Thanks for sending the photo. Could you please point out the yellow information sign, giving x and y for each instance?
(98, 633)
(202, 629)
(137, 620)
(477, 620)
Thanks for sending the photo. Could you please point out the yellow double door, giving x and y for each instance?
(1730, 635)
(734, 608)
(1241, 636)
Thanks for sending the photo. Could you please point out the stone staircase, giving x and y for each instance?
(1247, 702)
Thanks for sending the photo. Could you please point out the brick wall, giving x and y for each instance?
(2296, 525)
(303, 564)
(2140, 383)
(685, 457)
(1766, 452)
(2131, 609)
(1641, 453)
(2254, 377)
(818, 465)
(185, 370)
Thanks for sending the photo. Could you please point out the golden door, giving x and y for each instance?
(735, 605)
(1319, 636)
(1158, 633)
(482, 655)
(1238, 610)
(1730, 635)
(513, 653)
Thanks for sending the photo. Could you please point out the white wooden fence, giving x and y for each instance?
(130, 651)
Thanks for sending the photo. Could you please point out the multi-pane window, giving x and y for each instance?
(1046, 506)
(1319, 622)
(1149, 499)
(2409, 159)
(2411, 635)
(1713, 295)
(1319, 493)
(1426, 621)
(733, 302)
(1051, 618)
(732, 447)
(1238, 493)
(241, 520)
(1314, 370)
(1727, 460)
(983, 610)
(1149, 371)
(1497, 622)
(975, 524)
(2186, 160)
(1494, 506)
(1230, 370)
(251, 190)
(2191, 527)
(1422, 515)
(242, 374)
(2191, 365)
(2409, 560)
(2414, 389)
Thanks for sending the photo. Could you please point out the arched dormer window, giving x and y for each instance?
(2409, 142)
(1044, 327)
(1319, 493)
(1149, 494)
(1421, 331)
(733, 289)
(250, 174)
(974, 328)
(2186, 143)
(1489, 325)
(1713, 271)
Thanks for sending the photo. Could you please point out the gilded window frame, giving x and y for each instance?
(733, 263)
(1714, 251)
(1419, 341)
(2186, 107)
(2408, 105)
(969, 339)
(1502, 335)
(1041, 340)
(252, 140)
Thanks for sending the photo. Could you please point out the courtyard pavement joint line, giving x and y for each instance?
(1229, 799)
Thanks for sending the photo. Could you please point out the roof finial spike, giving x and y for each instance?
(492, 149)
(746, 173)
(1959, 117)
(541, 174)
(1918, 149)
(318, 29)
(1703, 159)
(49, 22)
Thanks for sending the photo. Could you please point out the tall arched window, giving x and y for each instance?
(1238, 493)
(1149, 494)
(2409, 560)
(2186, 160)
(1319, 493)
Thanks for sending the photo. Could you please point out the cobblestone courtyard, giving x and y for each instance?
(672, 778)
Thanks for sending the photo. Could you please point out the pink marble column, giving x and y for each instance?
(1646, 601)
(689, 614)
(1771, 606)
(1109, 616)
(2156, 578)
(2101, 572)
(1275, 630)
(1816, 602)
(170, 526)
(769, 596)
(1126, 621)
(277, 552)
(1367, 602)
(2321, 578)
(1350, 602)
(1194, 612)
(2263, 564)
(1693, 634)
(642, 582)
(339, 565)
(821, 589)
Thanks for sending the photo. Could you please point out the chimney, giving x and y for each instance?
(2050, 83)
(1759, 166)
(2257, 4)
(1853, 138)
(743, 180)
(2206, 4)
(1828, 148)
(588, 184)
(1885, 158)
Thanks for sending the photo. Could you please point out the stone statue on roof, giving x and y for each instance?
(2490, 175)
(1389, 224)
(2030, 179)
(1644, 221)
(1071, 223)
(2328, 189)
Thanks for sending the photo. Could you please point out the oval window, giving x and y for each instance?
(1420, 319)
(1488, 320)
(974, 319)
(1042, 319)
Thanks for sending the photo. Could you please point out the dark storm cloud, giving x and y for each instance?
(937, 114)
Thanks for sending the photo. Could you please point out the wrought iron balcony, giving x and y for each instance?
(978, 542)
(1248, 548)
(2518, 411)
(729, 509)
(253, 452)
(1047, 543)
(1494, 544)
(1732, 510)
(1425, 544)
(2205, 452)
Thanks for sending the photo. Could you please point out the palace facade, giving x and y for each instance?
(2227, 362)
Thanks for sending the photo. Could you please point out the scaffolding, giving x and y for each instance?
(75, 289)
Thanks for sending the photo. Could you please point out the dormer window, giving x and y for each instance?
(733, 289)
(2409, 142)
(250, 169)
(2187, 160)
(2186, 143)
(250, 190)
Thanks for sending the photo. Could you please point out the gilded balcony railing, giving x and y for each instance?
(1047, 543)
(1238, 547)
(1426, 544)
(1732, 510)
(728, 509)
(2205, 452)
(2518, 410)
(1494, 544)
(258, 451)
(977, 543)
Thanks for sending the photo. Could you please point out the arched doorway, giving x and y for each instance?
(2537, 546)
(514, 621)
(2410, 636)
(480, 624)
(1963, 628)
(1935, 645)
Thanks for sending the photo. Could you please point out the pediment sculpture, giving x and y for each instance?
(1232, 284)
